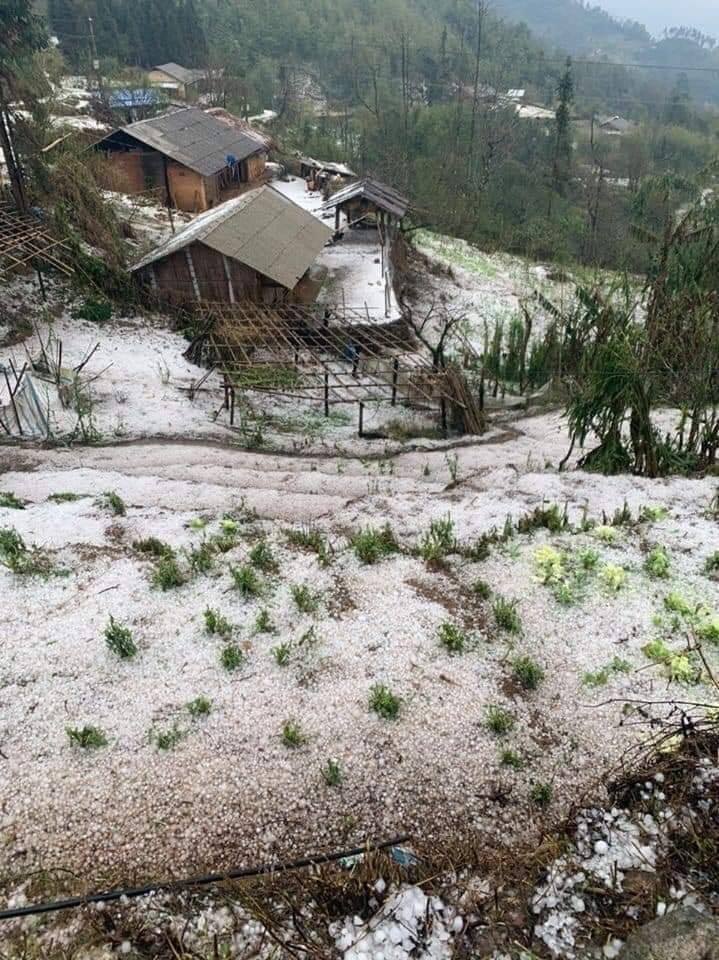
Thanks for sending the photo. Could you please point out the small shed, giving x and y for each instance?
(184, 82)
(134, 105)
(368, 201)
(320, 174)
(258, 246)
(191, 157)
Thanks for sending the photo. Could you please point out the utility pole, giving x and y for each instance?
(95, 59)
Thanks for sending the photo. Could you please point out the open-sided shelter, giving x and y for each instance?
(189, 156)
(368, 200)
(258, 246)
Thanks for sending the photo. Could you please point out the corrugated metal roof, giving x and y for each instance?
(180, 73)
(262, 229)
(141, 97)
(194, 139)
(382, 196)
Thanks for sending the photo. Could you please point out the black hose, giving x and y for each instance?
(212, 878)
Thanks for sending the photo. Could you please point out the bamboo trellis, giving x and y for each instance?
(24, 242)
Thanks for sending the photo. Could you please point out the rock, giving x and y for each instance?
(683, 934)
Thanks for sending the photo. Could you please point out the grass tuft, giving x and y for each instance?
(10, 501)
(167, 739)
(510, 758)
(499, 720)
(246, 581)
(262, 558)
(506, 615)
(384, 703)
(199, 707)
(153, 547)
(66, 497)
(21, 559)
(482, 589)
(541, 794)
(657, 563)
(282, 653)
(452, 638)
(332, 773)
(120, 640)
(305, 600)
(167, 574)
(527, 672)
(292, 735)
(216, 624)
(112, 501)
(372, 545)
(88, 737)
(263, 622)
(231, 657)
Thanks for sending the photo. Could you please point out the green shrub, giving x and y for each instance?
(527, 672)
(199, 707)
(499, 720)
(384, 703)
(93, 310)
(10, 501)
(112, 501)
(167, 574)
(657, 563)
(231, 657)
(506, 614)
(246, 581)
(119, 639)
(87, 737)
(588, 559)
(305, 600)
(371, 544)
(216, 624)
(452, 638)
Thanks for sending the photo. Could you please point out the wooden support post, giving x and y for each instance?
(337, 219)
(42, 284)
(360, 430)
(12, 402)
(226, 387)
(232, 406)
(443, 411)
(395, 377)
(327, 394)
(481, 393)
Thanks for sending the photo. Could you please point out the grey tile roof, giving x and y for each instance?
(194, 139)
(180, 73)
(261, 228)
(382, 196)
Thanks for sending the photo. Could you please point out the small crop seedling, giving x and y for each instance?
(439, 540)
(197, 523)
(549, 564)
(119, 639)
(709, 630)
(310, 538)
(246, 581)
(282, 653)
(153, 547)
(10, 501)
(499, 720)
(87, 737)
(657, 563)
(232, 657)
(675, 603)
(452, 638)
(21, 559)
(202, 557)
(506, 614)
(482, 589)
(167, 574)
(263, 622)
(292, 735)
(372, 545)
(66, 497)
(565, 594)
(588, 559)
(527, 673)
(167, 739)
(605, 533)
(613, 577)
(384, 703)
(332, 773)
(541, 794)
(510, 758)
(601, 677)
(216, 624)
(113, 502)
(199, 707)
(305, 600)
(650, 514)
(711, 565)
(262, 558)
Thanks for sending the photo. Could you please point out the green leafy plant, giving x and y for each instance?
(232, 657)
(588, 559)
(384, 703)
(88, 737)
(120, 640)
(282, 653)
(21, 559)
(263, 622)
(292, 735)
(167, 739)
(453, 638)
(499, 720)
(605, 533)
(601, 677)
(439, 541)
(657, 563)
(63, 497)
(112, 501)
(305, 600)
(549, 517)
(153, 547)
(332, 773)
(310, 538)
(711, 564)
(650, 514)
(510, 758)
(676, 603)
(262, 558)
(527, 672)
(613, 577)
(371, 544)
(217, 624)
(482, 589)
(10, 501)
(197, 523)
(201, 557)
(199, 707)
(246, 581)
(506, 614)
(549, 564)
(167, 574)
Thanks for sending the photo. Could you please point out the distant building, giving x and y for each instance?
(134, 105)
(616, 125)
(258, 246)
(516, 93)
(182, 82)
(193, 159)
(367, 201)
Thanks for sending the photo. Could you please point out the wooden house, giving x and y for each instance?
(193, 159)
(367, 202)
(258, 246)
(178, 81)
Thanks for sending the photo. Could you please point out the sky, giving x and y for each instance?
(657, 14)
